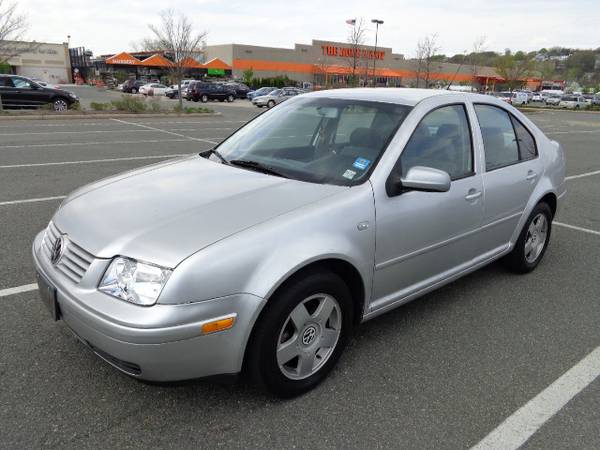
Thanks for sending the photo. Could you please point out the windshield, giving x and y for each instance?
(319, 140)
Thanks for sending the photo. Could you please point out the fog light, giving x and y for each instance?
(213, 326)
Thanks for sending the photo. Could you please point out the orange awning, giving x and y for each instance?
(191, 63)
(216, 63)
(123, 58)
(157, 61)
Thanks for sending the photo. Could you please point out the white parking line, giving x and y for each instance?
(166, 131)
(106, 122)
(524, 423)
(18, 289)
(93, 161)
(573, 227)
(32, 200)
(71, 144)
(582, 175)
(137, 130)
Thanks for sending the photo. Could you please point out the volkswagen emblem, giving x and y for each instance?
(309, 335)
(58, 249)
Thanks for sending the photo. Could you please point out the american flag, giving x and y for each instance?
(351, 21)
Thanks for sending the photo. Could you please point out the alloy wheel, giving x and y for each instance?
(535, 240)
(309, 336)
(60, 105)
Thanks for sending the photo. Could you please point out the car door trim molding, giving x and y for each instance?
(399, 259)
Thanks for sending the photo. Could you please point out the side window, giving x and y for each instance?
(21, 83)
(442, 141)
(5, 82)
(499, 141)
(525, 140)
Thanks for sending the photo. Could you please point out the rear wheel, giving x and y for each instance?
(204, 98)
(60, 105)
(230, 98)
(301, 334)
(533, 241)
(134, 90)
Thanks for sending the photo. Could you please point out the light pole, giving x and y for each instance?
(377, 22)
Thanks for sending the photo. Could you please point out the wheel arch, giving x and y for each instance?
(341, 267)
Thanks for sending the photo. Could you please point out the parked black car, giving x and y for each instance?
(20, 92)
(133, 86)
(204, 92)
(241, 90)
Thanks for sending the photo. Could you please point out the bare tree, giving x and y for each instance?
(176, 36)
(356, 38)
(514, 70)
(475, 59)
(12, 28)
(427, 48)
(144, 45)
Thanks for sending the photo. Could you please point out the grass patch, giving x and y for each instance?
(98, 106)
(192, 109)
(129, 104)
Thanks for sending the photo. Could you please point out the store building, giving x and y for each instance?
(43, 60)
(326, 63)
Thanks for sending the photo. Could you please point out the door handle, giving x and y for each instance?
(531, 175)
(473, 195)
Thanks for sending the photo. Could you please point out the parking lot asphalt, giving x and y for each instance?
(440, 372)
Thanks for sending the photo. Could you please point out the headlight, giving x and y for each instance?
(134, 281)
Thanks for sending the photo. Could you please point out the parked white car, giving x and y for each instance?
(573, 102)
(153, 89)
(519, 98)
(553, 100)
(537, 97)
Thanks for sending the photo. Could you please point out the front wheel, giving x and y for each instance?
(301, 334)
(60, 105)
(134, 91)
(533, 241)
(204, 98)
(230, 98)
(270, 104)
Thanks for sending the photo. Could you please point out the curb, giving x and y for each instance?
(100, 116)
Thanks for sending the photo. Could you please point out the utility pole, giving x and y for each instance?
(377, 22)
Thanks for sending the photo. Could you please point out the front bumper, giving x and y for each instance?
(158, 343)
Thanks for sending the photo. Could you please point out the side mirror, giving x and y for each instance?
(419, 178)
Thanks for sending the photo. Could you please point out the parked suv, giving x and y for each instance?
(204, 92)
(241, 90)
(133, 86)
(21, 92)
(572, 102)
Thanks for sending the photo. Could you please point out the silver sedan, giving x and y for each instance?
(264, 253)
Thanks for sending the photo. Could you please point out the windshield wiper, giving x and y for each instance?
(216, 153)
(257, 166)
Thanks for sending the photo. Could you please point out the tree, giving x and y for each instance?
(476, 56)
(356, 38)
(248, 76)
(12, 28)
(513, 70)
(176, 35)
(427, 49)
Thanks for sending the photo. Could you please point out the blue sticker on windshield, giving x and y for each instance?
(361, 163)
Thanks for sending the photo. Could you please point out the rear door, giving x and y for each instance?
(8, 92)
(512, 170)
(28, 93)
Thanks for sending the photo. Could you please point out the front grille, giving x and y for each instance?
(75, 260)
(125, 366)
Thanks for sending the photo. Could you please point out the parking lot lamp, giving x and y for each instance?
(377, 22)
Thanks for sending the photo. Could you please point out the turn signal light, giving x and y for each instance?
(217, 325)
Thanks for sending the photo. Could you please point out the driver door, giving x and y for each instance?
(425, 237)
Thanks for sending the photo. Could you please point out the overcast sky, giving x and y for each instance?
(110, 26)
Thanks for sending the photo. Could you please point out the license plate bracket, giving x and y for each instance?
(48, 295)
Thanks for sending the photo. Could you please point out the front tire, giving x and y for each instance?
(230, 98)
(60, 105)
(533, 241)
(270, 104)
(204, 98)
(301, 334)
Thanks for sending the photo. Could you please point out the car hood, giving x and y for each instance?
(166, 212)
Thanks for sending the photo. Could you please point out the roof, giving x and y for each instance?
(157, 60)
(123, 58)
(403, 96)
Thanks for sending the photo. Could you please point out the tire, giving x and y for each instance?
(203, 98)
(307, 334)
(60, 104)
(533, 241)
(271, 104)
(134, 91)
(230, 98)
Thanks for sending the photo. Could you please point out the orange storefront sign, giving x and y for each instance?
(124, 58)
(350, 52)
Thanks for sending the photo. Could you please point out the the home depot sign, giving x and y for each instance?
(351, 52)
